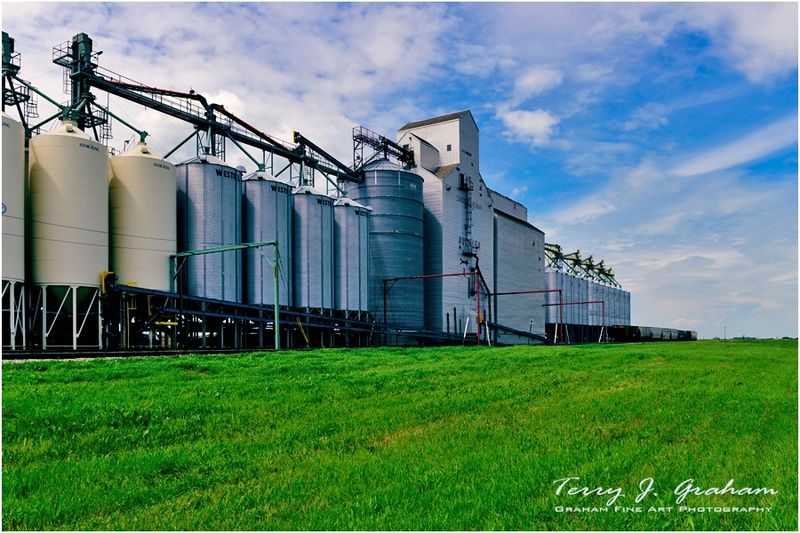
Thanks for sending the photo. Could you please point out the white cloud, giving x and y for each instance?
(592, 158)
(479, 60)
(647, 174)
(585, 210)
(760, 39)
(692, 251)
(535, 127)
(516, 192)
(663, 225)
(650, 116)
(535, 81)
(593, 72)
(319, 82)
(763, 142)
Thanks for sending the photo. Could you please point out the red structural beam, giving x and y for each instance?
(427, 276)
(560, 306)
(602, 306)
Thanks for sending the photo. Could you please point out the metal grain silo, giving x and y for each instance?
(613, 314)
(268, 215)
(566, 283)
(351, 255)
(581, 294)
(626, 314)
(313, 249)
(209, 215)
(396, 246)
(603, 310)
(567, 286)
(593, 309)
(13, 200)
(551, 282)
(142, 218)
(68, 208)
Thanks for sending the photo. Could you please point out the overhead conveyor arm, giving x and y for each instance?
(138, 95)
(179, 104)
(144, 95)
(251, 129)
(349, 174)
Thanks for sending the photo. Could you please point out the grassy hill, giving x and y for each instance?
(435, 438)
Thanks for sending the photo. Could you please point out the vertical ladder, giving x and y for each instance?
(465, 184)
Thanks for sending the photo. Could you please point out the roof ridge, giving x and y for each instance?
(436, 120)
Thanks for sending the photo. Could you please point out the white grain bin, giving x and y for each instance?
(142, 218)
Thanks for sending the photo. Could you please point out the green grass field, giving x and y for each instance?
(435, 438)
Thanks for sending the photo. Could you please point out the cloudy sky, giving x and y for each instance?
(659, 137)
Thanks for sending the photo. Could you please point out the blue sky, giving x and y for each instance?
(659, 137)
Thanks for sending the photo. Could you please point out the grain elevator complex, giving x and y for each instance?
(406, 245)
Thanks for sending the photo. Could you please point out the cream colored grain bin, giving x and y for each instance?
(142, 218)
(13, 200)
(68, 208)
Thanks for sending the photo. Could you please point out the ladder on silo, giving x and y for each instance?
(465, 184)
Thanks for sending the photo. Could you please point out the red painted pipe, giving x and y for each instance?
(560, 304)
(602, 307)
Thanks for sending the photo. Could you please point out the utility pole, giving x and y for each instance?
(725, 333)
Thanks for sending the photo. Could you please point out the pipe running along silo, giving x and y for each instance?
(209, 216)
(268, 209)
(13, 233)
(396, 246)
(142, 218)
(351, 256)
(313, 250)
(68, 227)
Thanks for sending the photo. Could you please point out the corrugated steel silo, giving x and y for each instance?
(142, 207)
(566, 295)
(627, 315)
(313, 249)
(396, 245)
(209, 215)
(68, 208)
(13, 200)
(614, 314)
(351, 255)
(581, 295)
(268, 210)
(571, 312)
(593, 294)
(552, 283)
